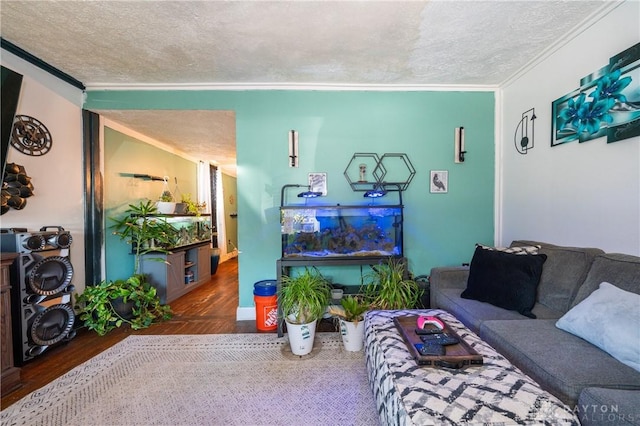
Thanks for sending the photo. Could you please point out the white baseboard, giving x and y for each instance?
(245, 314)
(226, 256)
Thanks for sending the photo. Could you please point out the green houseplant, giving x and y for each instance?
(303, 299)
(351, 309)
(132, 301)
(350, 317)
(166, 202)
(191, 206)
(111, 304)
(390, 286)
(145, 232)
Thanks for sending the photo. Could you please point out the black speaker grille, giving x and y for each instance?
(50, 275)
(52, 325)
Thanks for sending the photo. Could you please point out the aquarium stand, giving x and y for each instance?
(283, 267)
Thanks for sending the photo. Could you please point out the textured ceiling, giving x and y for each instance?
(195, 132)
(287, 43)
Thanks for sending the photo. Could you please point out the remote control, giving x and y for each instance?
(443, 339)
(431, 349)
(427, 331)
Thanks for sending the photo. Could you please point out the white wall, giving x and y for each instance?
(582, 194)
(57, 176)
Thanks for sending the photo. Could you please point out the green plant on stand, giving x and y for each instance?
(145, 232)
(390, 288)
(303, 299)
(132, 301)
(192, 206)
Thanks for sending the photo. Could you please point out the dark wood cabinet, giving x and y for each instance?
(177, 273)
(10, 373)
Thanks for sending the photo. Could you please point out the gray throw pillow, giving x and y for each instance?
(608, 318)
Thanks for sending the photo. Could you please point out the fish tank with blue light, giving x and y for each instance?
(335, 232)
(190, 229)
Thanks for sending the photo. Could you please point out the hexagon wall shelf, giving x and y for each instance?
(367, 171)
(354, 174)
(395, 169)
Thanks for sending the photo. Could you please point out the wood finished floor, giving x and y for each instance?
(209, 309)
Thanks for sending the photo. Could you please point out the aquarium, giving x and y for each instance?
(341, 231)
(190, 229)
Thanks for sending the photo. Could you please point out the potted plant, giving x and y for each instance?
(165, 204)
(133, 300)
(145, 232)
(390, 287)
(110, 304)
(350, 316)
(303, 300)
(191, 207)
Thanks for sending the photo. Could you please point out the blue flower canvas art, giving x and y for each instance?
(607, 103)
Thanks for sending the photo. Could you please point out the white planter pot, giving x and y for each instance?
(352, 335)
(301, 337)
(165, 207)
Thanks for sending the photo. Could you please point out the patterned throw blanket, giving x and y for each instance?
(496, 393)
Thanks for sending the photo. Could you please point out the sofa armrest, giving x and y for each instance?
(447, 277)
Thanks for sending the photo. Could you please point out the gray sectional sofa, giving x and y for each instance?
(600, 388)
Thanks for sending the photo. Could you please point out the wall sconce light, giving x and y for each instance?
(458, 141)
(293, 148)
(521, 138)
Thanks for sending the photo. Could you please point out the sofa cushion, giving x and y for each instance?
(610, 319)
(562, 274)
(621, 270)
(503, 279)
(472, 312)
(560, 362)
(610, 407)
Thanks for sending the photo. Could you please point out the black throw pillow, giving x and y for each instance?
(506, 280)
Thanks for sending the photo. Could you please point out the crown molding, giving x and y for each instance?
(28, 57)
(294, 86)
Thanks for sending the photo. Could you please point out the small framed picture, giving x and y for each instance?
(439, 182)
(318, 183)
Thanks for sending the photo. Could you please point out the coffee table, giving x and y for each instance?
(409, 394)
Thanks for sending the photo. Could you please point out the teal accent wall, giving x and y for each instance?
(124, 154)
(439, 229)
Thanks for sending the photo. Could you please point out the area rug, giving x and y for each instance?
(224, 379)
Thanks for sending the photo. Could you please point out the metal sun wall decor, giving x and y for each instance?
(521, 138)
(606, 103)
(30, 136)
